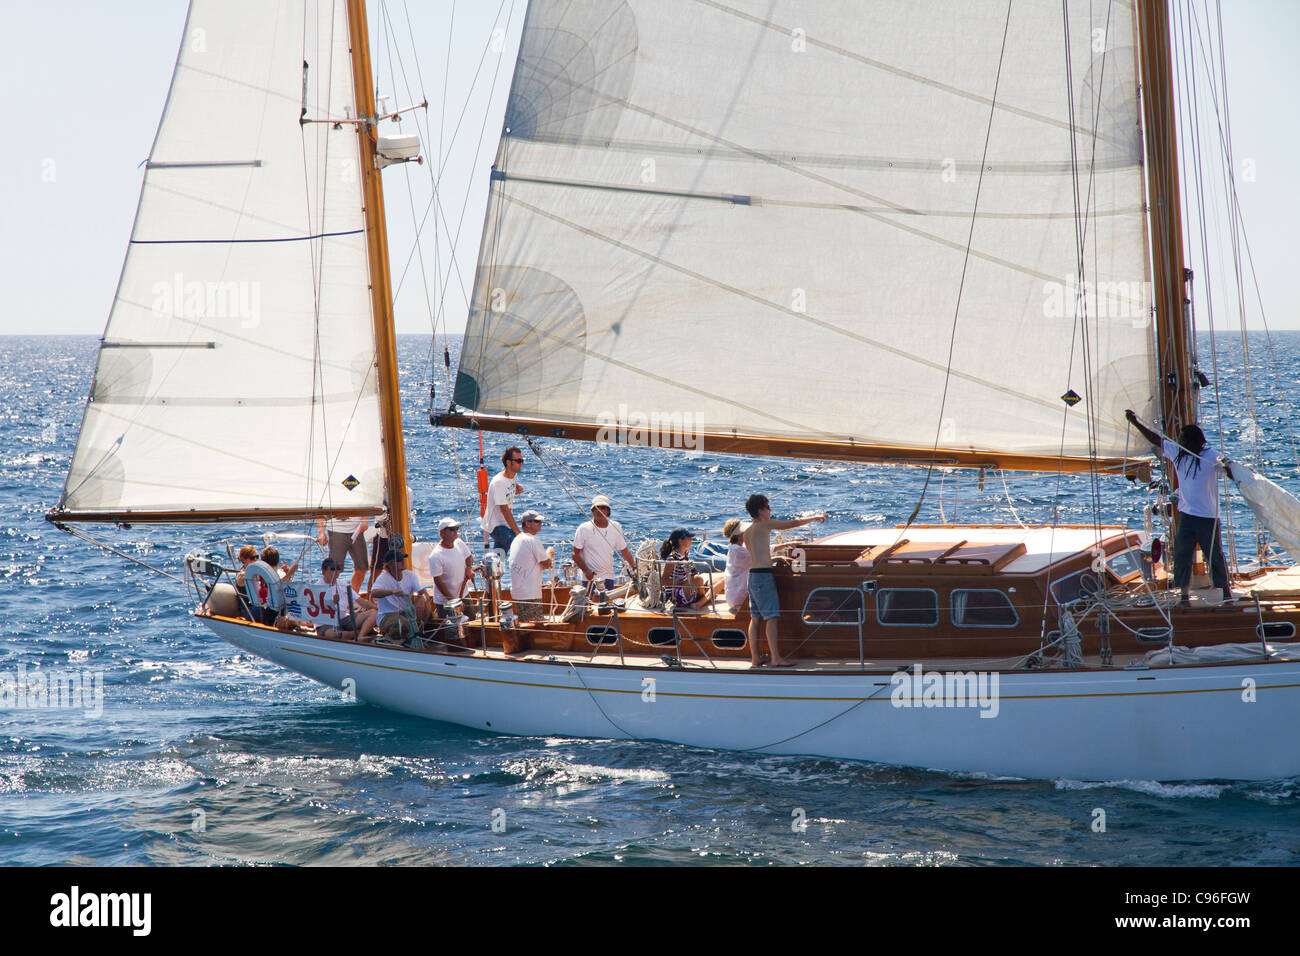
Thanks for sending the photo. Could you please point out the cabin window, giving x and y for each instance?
(982, 608)
(903, 606)
(602, 634)
(1073, 587)
(1125, 564)
(833, 606)
(729, 637)
(1153, 635)
(1275, 631)
(662, 636)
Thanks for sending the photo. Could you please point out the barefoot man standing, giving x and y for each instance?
(763, 602)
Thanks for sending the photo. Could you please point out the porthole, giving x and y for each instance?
(662, 636)
(602, 634)
(725, 638)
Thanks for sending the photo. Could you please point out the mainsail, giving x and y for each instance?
(854, 222)
(237, 370)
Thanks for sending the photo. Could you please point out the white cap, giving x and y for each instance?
(446, 523)
(600, 501)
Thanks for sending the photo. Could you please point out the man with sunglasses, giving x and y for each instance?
(597, 541)
(498, 520)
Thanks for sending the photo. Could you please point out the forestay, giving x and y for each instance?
(237, 368)
(755, 216)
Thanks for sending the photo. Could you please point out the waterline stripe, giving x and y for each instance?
(602, 690)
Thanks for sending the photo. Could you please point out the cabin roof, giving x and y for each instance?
(1043, 546)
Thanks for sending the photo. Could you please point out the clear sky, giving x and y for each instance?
(87, 80)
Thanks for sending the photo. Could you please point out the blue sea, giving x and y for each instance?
(204, 755)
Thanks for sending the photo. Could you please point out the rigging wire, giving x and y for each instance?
(1002, 472)
(78, 533)
(564, 474)
(1194, 31)
(1191, 118)
(1237, 224)
(1080, 305)
(970, 238)
(316, 254)
(443, 278)
(397, 65)
(1082, 208)
(418, 246)
(1234, 225)
(318, 274)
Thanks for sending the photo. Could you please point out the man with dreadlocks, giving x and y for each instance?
(1198, 504)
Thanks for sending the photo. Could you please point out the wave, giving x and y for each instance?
(1152, 788)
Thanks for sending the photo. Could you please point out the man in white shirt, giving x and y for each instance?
(1194, 461)
(353, 615)
(450, 563)
(344, 536)
(528, 559)
(596, 541)
(395, 590)
(498, 519)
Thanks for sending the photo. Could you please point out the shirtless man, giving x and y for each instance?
(763, 602)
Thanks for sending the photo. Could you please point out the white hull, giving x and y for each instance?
(1175, 723)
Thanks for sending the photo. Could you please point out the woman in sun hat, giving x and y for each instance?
(736, 581)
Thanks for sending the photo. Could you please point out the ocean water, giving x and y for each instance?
(203, 755)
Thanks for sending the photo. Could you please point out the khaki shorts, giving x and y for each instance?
(342, 543)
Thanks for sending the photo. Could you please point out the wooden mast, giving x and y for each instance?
(381, 293)
(1177, 387)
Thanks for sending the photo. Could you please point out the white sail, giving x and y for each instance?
(237, 368)
(1276, 508)
(757, 214)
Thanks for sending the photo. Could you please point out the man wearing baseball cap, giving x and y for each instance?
(596, 542)
(528, 559)
(394, 591)
(450, 563)
(452, 568)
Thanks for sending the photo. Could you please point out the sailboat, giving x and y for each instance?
(862, 209)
